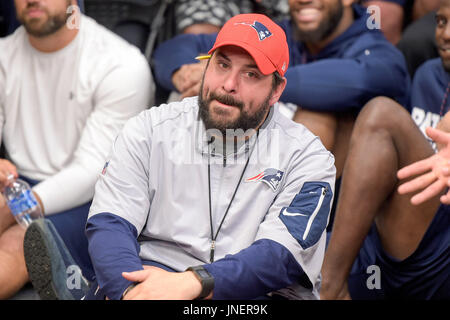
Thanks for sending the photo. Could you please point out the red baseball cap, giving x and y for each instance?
(262, 38)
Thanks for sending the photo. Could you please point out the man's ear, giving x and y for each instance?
(276, 94)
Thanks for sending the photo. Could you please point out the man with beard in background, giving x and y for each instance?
(67, 86)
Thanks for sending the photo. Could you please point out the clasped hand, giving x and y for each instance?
(158, 284)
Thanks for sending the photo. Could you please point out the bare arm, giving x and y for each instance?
(433, 172)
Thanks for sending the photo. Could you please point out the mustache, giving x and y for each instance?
(226, 99)
(33, 5)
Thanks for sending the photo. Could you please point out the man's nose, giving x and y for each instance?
(231, 82)
(446, 32)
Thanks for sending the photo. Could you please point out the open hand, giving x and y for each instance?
(434, 172)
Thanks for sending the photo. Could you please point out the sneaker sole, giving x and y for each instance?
(42, 266)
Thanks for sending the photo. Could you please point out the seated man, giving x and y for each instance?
(402, 240)
(190, 187)
(337, 65)
(417, 43)
(67, 86)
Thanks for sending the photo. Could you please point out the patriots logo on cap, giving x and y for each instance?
(271, 177)
(261, 30)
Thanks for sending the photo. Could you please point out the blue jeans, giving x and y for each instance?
(71, 225)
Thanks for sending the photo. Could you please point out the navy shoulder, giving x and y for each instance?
(428, 89)
(431, 68)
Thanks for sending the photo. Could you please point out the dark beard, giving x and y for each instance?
(324, 30)
(446, 65)
(245, 120)
(53, 24)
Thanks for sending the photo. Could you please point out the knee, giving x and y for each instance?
(381, 113)
(11, 240)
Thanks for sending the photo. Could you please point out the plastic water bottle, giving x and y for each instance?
(22, 202)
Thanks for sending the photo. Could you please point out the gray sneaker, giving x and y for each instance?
(52, 270)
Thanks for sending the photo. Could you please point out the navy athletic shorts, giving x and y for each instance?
(425, 274)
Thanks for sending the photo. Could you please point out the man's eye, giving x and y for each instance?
(251, 74)
(441, 22)
(223, 65)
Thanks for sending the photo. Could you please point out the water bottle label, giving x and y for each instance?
(25, 202)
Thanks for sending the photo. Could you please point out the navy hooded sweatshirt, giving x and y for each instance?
(430, 96)
(357, 66)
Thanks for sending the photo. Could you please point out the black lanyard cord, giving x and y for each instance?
(213, 238)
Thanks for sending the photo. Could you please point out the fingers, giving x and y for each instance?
(192, 91)
(415, 168)
(445, 199)
(430, 192)
(6, 169)
(437, 135)
(188, 76)
(10, 167)
(135, 276)
(417, 184)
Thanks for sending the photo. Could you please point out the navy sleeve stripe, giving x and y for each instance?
(263, 267)
(113, 249)
(307, 216)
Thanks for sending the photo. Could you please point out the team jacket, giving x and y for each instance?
(151, 204)
(357, 66)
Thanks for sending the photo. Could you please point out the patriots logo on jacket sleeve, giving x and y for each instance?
(261, 30)
(272, 177)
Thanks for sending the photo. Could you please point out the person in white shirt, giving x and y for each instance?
(67, 86)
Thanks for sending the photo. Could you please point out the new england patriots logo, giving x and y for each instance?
(261, 30)
(271, 177)
(105, 167)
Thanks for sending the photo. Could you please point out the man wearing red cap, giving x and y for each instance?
(217, 196)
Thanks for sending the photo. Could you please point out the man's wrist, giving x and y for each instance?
(128, 289)
(205, 279)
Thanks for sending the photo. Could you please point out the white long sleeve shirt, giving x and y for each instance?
(60, 111)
